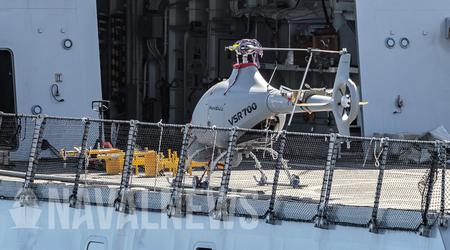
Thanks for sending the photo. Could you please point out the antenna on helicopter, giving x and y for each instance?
(300, 88)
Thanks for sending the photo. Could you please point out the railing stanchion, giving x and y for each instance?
(1, 119)
(425, 227)
(374, 223)
(27, 195)
(221, 210)
(443, 220)
(125, 198)
(4, 155)
(82, 161)
(176, 205)
(271, 217)
(321, 220)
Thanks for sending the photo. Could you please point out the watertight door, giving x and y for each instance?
(9, 129)
(7, 95)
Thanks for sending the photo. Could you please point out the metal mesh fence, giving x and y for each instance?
(354, 180)
(445, 180)
(299, 188)
(404, 188)
(106, 145)
(59, 136)
(254, 163)
(440, 192)
(206, 154)
(60, 149)
(253, 170)
(10, 128)
(348, 180)
(158, 146)
(16, 135)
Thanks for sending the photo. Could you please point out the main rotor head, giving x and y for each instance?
(247, 51)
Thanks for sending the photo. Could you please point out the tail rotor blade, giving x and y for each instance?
(346, 100)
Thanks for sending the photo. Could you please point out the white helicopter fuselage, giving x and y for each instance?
(240, 101)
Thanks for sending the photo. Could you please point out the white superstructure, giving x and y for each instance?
(413, 74)
(54, 49)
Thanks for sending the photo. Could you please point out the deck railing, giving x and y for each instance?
(379, 183)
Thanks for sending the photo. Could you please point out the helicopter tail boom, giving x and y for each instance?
(343, 100)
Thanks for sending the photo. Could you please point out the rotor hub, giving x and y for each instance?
(247, 51)
(345, 101)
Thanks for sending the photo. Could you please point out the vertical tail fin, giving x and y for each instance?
(345, 104)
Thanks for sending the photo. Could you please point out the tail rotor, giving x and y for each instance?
(346, 101)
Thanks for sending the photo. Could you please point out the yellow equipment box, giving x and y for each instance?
(113, 162)
(149, 160)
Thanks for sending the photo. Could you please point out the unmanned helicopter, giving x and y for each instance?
(246, 99)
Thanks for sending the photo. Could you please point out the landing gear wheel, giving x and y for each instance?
(198, 183)
(295, 181)
(171, 182)
(262, 180)
(195, 182)
(203, 184)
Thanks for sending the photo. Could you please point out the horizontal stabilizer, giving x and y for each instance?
(317, 104)
(363, 103)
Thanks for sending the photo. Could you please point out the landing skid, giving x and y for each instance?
(294, 182)
(204, 181)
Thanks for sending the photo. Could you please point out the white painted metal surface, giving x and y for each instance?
(34, 30)
(419, 74)
(68, 228)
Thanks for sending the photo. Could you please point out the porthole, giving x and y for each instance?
(67, 44)
(404, 42)
(390, 42)
(36, 110)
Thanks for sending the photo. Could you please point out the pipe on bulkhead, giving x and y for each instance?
(217, 9)
(177, 17)
(197, 11)
(187, 37)
(196, 15)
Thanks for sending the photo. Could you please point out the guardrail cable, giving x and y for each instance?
(384, 145)
(376, 155)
